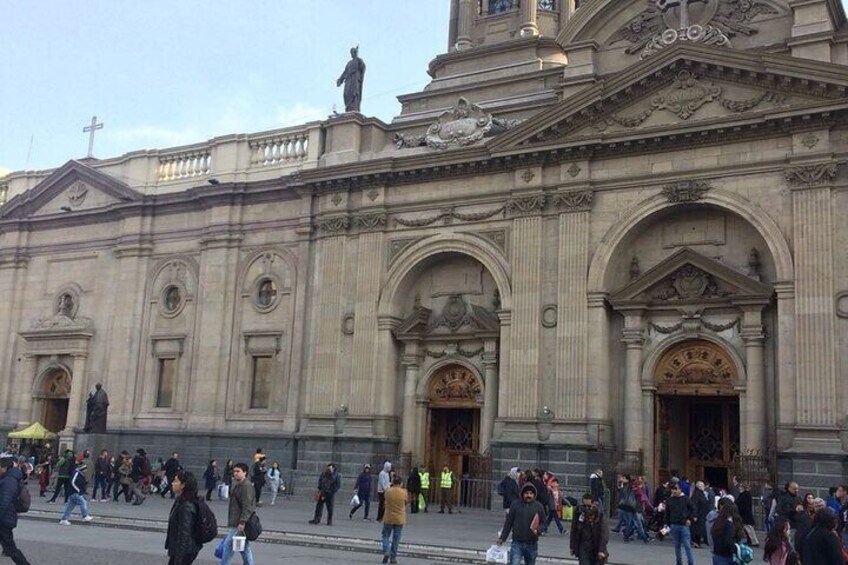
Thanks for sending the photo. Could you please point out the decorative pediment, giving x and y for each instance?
(687, 277)
(456, 317)
(684, 87)
(70, 188)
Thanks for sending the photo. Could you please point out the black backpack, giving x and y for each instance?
(23, 500)
(252, 528)
(206, 525)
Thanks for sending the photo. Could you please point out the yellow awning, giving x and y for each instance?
(33, 431)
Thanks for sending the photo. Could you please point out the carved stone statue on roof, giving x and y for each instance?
(352, 78)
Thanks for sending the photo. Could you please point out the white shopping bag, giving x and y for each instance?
(354, 501)
(238, 543)
(498, 554)
(223, 492)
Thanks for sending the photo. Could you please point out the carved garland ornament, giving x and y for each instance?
(372, 221)
(527, 205)
(811, 175)
(448, 215)
(334, 225)
(686, 191)
(574, 201)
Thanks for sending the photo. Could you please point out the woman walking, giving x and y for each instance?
(228, 473)
(413, 487)
(274, 478)
(727, 531)
(778, 549)
(699, 519)
(821, 546)
(363, 491)
(210, 478)
(182, 549)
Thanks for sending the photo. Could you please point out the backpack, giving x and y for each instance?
(22, 501)
(206, 525)
(252, 528)
(744, 554)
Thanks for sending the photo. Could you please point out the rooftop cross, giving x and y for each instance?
(666, 5)
(90, 130)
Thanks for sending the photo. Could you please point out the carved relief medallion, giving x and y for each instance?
(455, 385)
(695, 364)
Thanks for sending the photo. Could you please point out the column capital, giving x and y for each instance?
(753, 336)
(410, 361)
(634, 338)
(596, 299)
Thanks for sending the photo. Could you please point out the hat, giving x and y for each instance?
(141, 451)
(528, 486)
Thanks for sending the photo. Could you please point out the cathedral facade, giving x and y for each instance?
(606, 234)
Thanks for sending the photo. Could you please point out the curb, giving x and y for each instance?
(358, 545)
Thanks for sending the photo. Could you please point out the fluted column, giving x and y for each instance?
(598, 371)
(410, 363)
(754, 411)
(633, 337)
(370, 264)
(816, 391)
(782, 396)
(464, 20)
(78, 389)
(648, 431)
(26, 378)
(490, 400)
(528, 19)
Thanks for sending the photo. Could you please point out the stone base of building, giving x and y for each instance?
(814, 472)
(348, 453)
(571, 464)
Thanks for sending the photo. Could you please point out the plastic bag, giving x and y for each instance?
(219, 548)
(223, 492)
(354, 501)
(238, 543)
(567, 512)
(497, 554)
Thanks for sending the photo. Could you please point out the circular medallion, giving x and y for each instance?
(172, 300)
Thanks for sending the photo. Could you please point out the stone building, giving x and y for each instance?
(605, 233)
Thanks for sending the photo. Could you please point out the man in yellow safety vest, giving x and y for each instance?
(445, 486)
(424, 476)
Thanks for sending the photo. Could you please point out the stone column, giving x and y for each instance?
(528, 19)
(464, 20)
(782, 398)
(76, 404)
(598, 371)
(421, 404)
(26, 378)
(753, 413)
(410, 363)
(490, 402)
(633, 337)
(648, 431)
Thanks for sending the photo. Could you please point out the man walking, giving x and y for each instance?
(394, 519)
(678, 515)
(589, 533)
(328, 485)
(242, 506)
(383, 484)
(445, 490)
(76, 496)
(64, 466)
(172, 467)
(597, 488)
(10, 478)
(789, 504)
(140, 474)
(102, 473)
(524, 519)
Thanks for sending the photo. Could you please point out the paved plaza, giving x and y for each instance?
(432, 537)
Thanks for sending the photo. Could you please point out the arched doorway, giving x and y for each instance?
(697, 425)
(51, 399)
(455, 395)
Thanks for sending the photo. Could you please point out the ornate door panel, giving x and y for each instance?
(713, 437)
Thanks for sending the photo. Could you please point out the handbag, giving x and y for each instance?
(497, 554)
(252, 528)
(317, 495)
(354, 501)
(744, 554)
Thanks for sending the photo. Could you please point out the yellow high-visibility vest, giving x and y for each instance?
(425, 479)
(447, 480)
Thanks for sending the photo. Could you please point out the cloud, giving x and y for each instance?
(4, 171)
(153, 136)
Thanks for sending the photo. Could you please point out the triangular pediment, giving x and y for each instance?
(685, 88)
(687, 277)
(72, 187)
(457, 319)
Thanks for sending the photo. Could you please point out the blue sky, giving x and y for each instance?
(163, 73)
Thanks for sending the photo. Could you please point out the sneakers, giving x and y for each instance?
(64, 523)
(88, 518)
(104, 500)
(51, 502)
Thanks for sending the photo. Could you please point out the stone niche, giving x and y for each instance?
(447, 275)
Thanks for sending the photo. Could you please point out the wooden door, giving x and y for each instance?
(454, 439)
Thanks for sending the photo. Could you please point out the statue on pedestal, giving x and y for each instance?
(95, 410)
(352, 78)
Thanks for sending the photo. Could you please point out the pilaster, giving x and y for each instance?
(369, 265)
(528, 28)
(465, 16)
(634, 338)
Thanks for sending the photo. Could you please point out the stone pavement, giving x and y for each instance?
(460, 537)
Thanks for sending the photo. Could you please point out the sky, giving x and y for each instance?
(163, 73)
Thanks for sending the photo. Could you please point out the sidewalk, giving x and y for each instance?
(459, 537)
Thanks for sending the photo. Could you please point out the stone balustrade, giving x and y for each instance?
(184, 164)
(286, 147)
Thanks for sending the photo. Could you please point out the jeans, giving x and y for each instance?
(720, 560)
(246, 555)
(634, 522)
(7, 540)
(526, 549)
(99, 482)
(363, 501)
(75, 500)
(553, 515)
(391, 531)
(681, 537)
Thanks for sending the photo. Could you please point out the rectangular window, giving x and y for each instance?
(260, 389)
(165, 385)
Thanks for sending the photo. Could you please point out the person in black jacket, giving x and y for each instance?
(258, 476)
(598, 488)
(788, 503)
(727, 531)
(508, 488)
(172, 467)
(699, 517)
(413, 487)
(10, 478)
(589, 533)
(678, 516)
(102, 473)
(821, 547)
(745, 503)
(180, 543)
(328, 485)
(524, 520)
